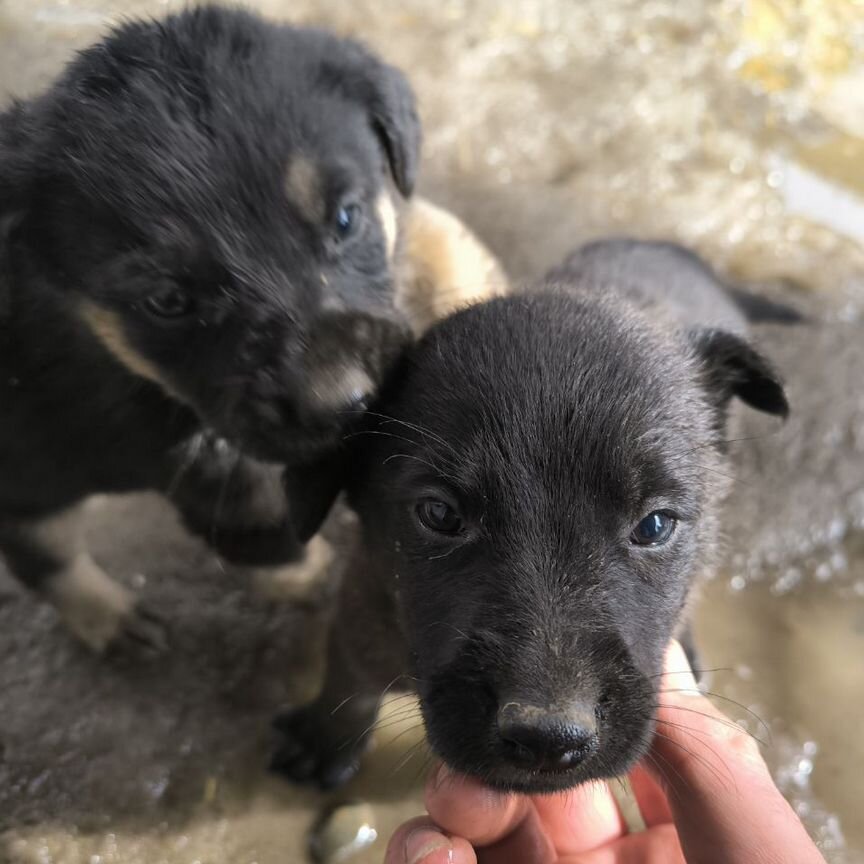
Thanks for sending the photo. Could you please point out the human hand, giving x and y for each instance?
(704, 792)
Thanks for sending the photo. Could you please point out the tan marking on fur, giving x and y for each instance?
(303, 188)
(389, 224)
(445, 266)
(296, 581)
(107, 326)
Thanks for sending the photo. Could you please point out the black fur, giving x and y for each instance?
(552, 422)
(158, 164)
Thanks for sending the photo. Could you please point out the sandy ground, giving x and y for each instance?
(547, 123)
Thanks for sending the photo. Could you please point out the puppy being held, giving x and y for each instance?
(538, 487)
(199, 229)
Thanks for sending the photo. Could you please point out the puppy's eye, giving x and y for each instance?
(171, 303)
(654, 530)
(439, 516)
(347, 220)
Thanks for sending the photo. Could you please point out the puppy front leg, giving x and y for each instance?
(257, 515)
(49, 556)
(235, 503)
(323, 742)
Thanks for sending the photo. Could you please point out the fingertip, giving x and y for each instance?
(420, 841)
(427, 845)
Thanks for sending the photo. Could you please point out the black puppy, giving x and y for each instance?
(538, 490)
(198, 225)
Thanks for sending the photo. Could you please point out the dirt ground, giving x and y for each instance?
(713, 123)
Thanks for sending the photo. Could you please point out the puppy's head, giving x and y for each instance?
(217, 199)
(540, 489)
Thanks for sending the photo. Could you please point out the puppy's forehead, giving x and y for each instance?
(209, 125)
(550, 387)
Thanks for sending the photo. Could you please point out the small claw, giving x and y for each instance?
(147, 629)
(101, 612)
(141, 631)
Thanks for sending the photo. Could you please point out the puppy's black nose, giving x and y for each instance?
(544, 739)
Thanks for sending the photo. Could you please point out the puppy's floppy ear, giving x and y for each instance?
(394, 114)
(732, 367)
(311, 489)
(388, 97)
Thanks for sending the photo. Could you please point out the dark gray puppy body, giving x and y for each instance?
(663, 277)
(672, 281)
(538, 491)
(198, 225)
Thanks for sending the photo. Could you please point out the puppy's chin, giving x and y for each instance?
(460, 719)
(274, 431)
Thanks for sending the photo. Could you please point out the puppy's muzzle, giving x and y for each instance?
(349, 354)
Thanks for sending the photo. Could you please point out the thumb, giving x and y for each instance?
(724, 802)
(421, 841)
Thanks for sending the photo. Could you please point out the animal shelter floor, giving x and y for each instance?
(724, 125)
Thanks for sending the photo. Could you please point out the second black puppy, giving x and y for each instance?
(198, 233)
(539, 490)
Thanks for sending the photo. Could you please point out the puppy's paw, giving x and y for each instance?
(102, 613)
(307, 754)
(140, 630)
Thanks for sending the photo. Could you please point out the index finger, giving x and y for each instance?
(721, 793)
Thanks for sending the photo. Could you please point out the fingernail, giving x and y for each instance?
(422, 842)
